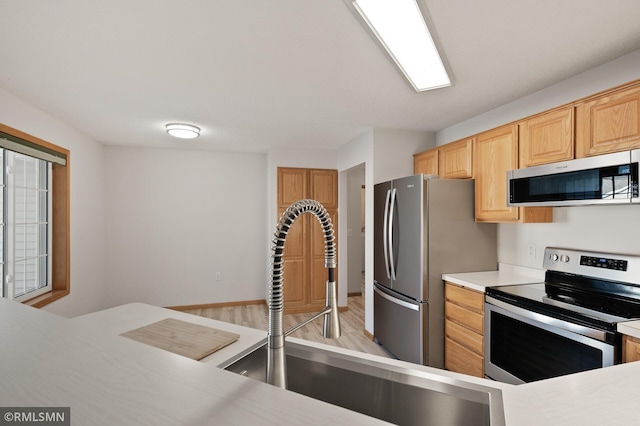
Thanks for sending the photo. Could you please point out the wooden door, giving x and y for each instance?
(304, 272)
(292, 186)
(323, 188)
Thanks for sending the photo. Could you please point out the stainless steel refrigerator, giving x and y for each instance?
(423, 227)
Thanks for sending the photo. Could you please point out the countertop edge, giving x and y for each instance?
(506, 275)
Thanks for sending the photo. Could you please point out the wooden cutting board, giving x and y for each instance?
(183, 338)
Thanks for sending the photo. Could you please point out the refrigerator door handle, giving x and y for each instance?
(392, 206)
(396, 301)
(385, 233)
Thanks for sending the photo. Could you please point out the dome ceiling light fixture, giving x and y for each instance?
(183, 131)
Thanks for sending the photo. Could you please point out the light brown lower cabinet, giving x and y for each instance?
(630, 349)
(464, 330)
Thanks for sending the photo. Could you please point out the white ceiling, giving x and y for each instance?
(258, 73)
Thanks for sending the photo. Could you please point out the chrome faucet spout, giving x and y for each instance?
(276, 366)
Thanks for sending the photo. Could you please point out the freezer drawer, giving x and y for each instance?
(399, 326)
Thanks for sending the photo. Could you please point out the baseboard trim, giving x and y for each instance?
(217, 305)
(369, 335)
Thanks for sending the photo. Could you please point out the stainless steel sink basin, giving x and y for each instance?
(399, 395)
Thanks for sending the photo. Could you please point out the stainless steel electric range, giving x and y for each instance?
(566, 324)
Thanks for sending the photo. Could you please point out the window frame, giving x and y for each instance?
(60, 222)
(43, 217)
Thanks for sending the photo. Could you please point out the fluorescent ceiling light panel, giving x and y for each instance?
(401, 28)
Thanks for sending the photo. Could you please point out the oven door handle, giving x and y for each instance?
(553, 322)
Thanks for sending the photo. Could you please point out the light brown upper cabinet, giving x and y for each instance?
(547, 138)
(450, 161)
(608, 123)
(305, 275)
(494, 153)
(455, 159)
(426, 162)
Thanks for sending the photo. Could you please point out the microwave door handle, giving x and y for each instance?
(390, 225)
(385, 233)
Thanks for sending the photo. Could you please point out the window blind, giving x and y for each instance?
(22, 146)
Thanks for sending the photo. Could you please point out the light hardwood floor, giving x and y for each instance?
(351, 321)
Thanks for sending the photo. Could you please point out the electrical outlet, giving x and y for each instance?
(531, 250)
(218, 276)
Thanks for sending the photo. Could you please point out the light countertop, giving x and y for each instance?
(506, 275)
(106, 379)
(82, 363)
(631, 328)
(128, 317)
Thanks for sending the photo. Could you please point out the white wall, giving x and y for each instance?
(355, 242)
(386, 154)
(358, 153)
(175, 218)
(611, 74)
(605, 228)
(394, 149)
(600, 228)
(88, 291)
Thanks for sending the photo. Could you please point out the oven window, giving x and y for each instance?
(531, 353)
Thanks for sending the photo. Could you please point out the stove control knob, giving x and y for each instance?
(554, 257)
(564, 258)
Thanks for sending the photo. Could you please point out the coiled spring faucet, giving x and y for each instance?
(276, 366)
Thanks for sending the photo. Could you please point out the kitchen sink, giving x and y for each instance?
(386, 391)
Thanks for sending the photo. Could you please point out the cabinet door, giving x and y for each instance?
(292, 186)
(630, 349)
(426, 162)
(608, 123)
(547, 138)
(318, 272)
(305, 275)
(324, 187)
(494, 153)
(296, 264)
(455, 159)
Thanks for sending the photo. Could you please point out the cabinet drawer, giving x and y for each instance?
(461, 360)
(464, 336)
(472, 320)
(470, 299)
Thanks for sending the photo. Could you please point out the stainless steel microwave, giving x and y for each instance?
(603, 179)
